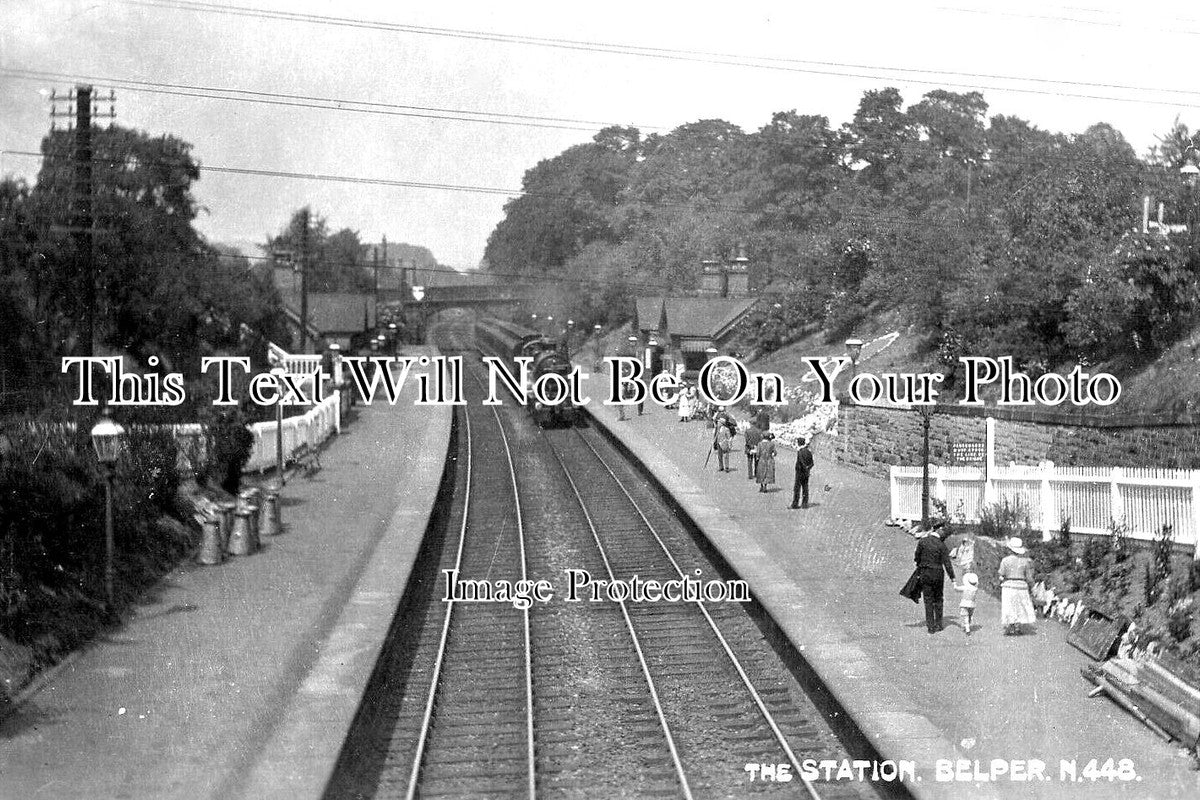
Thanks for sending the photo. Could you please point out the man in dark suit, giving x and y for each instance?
(932, 557)
(804, 465)
(753, 438)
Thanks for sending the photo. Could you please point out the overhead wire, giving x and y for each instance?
(308, 101)
(828, 68)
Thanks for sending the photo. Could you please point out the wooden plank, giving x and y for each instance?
(1096, 634)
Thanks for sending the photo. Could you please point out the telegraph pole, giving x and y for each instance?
(375, 269)
(82, 220)
(304, 214)
(82, 224)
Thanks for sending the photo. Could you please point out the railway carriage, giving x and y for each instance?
(508, 341)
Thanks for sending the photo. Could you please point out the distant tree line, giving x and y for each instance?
(990, 236)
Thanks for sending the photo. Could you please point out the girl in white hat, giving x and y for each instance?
(966, 603)
(1016, 576)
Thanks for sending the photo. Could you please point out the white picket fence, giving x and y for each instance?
(1092, 498)
(314, 427)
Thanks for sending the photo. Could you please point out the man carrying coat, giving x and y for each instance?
(932, 557)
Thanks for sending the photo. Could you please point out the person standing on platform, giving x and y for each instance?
(762, 419)
(753, 438)
(765, 469)
(804, 465)
(932, 558)
(687, 404)
(722, 443)
(1016, 576)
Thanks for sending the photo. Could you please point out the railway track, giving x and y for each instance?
(573, 699)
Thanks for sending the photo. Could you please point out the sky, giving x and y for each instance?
(1063, 67)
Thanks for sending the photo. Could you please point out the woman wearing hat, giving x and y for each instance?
(764, 470)
(1016, 576)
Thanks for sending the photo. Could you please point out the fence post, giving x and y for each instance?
(989, 464)
(894, 491)
(1196, 514)
(1048, 504)
(1118, 504)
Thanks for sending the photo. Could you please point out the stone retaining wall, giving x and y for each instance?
(874, 439)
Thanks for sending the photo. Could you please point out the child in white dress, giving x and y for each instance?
(966, 604)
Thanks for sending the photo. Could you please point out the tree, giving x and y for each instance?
(160, 289)
(568, 202)
(878, 138)
(1135, 301)
(336, 262)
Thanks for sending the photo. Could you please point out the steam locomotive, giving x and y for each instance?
(509, 342)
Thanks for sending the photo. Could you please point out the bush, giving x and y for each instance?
(229, 444)
(52, 516)
(1009, 517)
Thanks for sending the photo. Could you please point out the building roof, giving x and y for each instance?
(329, 313)
(694, 317)
(649, 312)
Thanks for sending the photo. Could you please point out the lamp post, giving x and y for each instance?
(596, 329)
(854, 346)
(395, 338)
(106, 439)
(335, 360)
(926, 411)
(279, 372)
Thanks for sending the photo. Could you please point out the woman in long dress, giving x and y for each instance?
(1016, 578)
(765, 469)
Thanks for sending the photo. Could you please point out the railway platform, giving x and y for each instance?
(829, 575)
(241, 680)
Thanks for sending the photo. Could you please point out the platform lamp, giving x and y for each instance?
(106, 439)
(596, 330)
(279, 372)
(395, 338)
(335, 360)
(854, 347)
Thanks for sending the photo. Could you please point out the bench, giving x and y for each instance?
(307, 459)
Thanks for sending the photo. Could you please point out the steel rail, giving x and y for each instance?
(427, 719)
(531, 761)
(512, 473)
(658, 709)
(766, 713)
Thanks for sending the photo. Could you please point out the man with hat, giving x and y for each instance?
(804, 465)
(932, 558)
